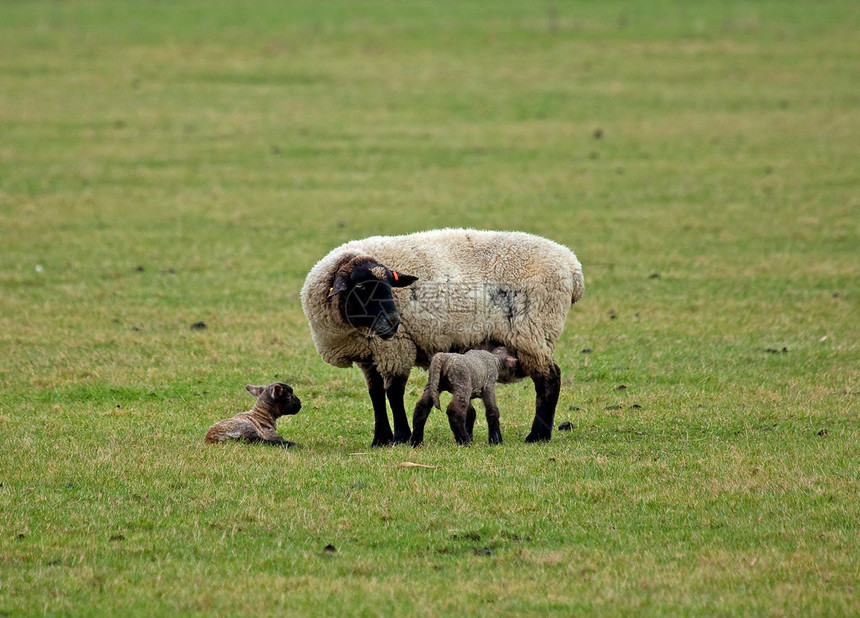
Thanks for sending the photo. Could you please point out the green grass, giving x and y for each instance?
(148, 162)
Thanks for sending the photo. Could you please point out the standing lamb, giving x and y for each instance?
(466, 376)
(467, 289)
(258, 424)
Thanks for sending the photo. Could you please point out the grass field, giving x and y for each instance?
(163, 164)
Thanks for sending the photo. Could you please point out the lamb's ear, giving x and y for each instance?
(256, 391)
(277, 391)
(399, 280)
(341, 284)
(510, 361)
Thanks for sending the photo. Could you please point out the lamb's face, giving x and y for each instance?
(278, 397)
(283, 398)
(366, 297)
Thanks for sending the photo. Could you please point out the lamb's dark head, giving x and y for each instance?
(278, 398)
(507, 360)
(361, 295)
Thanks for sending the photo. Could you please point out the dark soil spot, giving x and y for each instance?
(612, 408)
(822, 433)
(21, 536)
(54, 563)
(654, 276)
(775, 351)
(139, 269)
(516, 537)
(117, 537)
(586, 351)
(468, 536)
(566, 426)
(484, 551)
(613, 315)
(621, 387)
(575, 408)
(199, 326)
(598, 133)
(636, 406)
(330, 549)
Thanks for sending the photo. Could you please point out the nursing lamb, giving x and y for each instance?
(466, 376)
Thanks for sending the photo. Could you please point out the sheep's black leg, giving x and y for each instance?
(396, 389)
(419, 417)
(547, 389)
(382, 435)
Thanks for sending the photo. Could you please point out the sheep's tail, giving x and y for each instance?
(578, 282)
(435, 375)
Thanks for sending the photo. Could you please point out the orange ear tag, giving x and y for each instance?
(396, 276)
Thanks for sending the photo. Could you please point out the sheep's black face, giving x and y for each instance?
(367, 299)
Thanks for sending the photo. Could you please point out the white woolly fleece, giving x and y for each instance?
(475, 289)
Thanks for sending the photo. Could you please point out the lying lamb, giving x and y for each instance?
(258, 423)
(466, 376)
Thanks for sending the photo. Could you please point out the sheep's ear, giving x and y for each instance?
(256, 391)
(399, 280)
(341, 284)
(277, 391)
(510, 361)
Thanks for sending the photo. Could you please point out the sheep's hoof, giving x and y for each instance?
(416, 443)
(386, 441)
(402, 438)
(538, 437)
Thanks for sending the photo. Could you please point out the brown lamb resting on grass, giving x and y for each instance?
(258, 423)
(466, 376)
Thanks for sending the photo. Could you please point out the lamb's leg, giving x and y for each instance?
(457, 411)
(470, 421)
(396, 389)
(273, 437)
(547, 389)
(382, 435)
(492, 410)
(419, 417)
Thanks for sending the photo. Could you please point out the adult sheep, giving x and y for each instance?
(389, 303)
